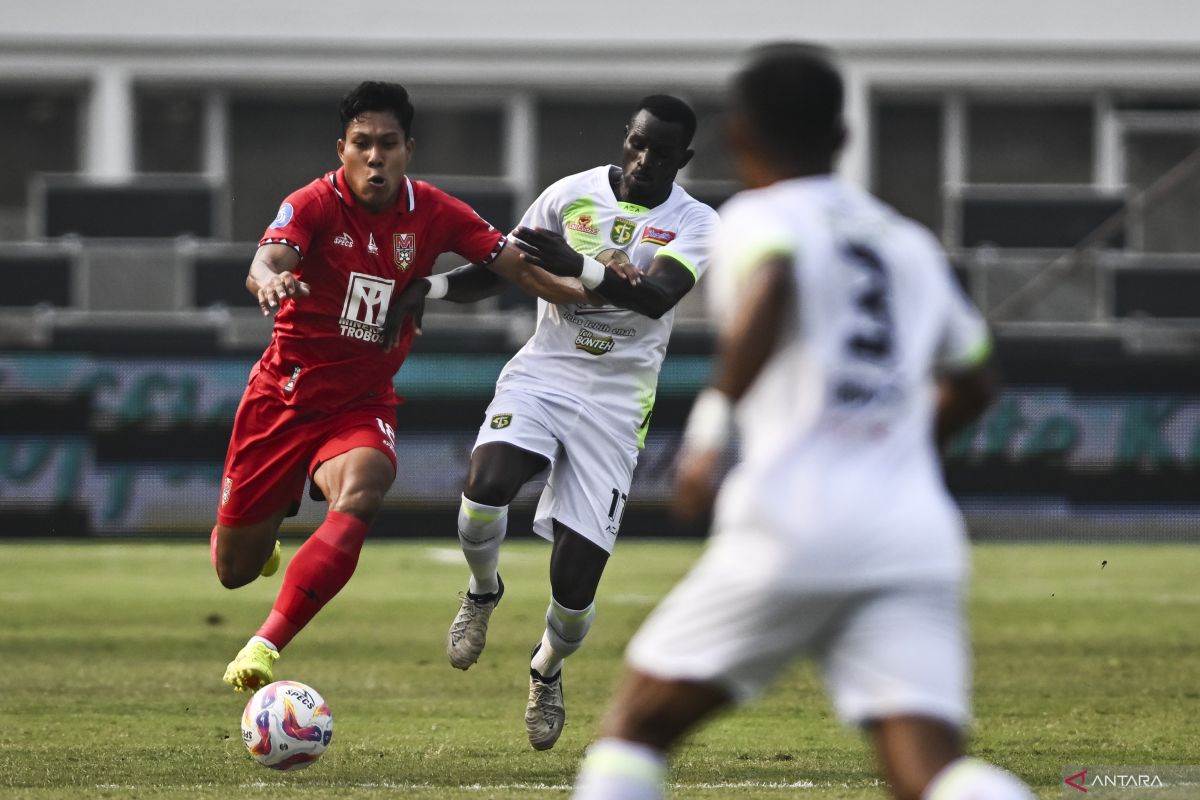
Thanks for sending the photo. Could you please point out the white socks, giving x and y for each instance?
(481, 529)
(972, 779)
(614, 769)
(565, 630)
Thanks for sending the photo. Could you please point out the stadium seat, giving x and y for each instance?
(145, 208)
(35, 276)
(1035, 219)
(1163, 292)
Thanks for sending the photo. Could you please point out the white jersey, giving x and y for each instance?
(607, 356)
(838, 449)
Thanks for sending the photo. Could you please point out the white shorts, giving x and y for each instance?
(737, 620)
(591, 466)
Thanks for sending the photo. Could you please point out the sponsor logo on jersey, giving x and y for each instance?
(404, 249)
(283, 217)
(500, 421)
(371, 248)
(389, 434)
(622, 231)
(365, 307)
(657, 236)
(584, 223)
(590, 342)
(344, 240)
(290, 386)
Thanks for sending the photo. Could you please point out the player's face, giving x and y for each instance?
(375, 154)
(654, 152)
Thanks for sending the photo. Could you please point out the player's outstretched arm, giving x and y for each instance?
(512, 265)
(652, 294)
(743, 348)
(271, 280)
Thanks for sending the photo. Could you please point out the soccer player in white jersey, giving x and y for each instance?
(576, 400)
(846, 353)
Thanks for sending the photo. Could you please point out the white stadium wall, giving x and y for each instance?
(1025, 45)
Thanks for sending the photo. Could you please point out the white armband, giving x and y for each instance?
(593, 273)
(710, 424)
(439, 285)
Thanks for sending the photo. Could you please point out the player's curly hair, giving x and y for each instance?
(792, 95)
(378, 96)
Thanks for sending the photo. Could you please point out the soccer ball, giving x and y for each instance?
(286, 725)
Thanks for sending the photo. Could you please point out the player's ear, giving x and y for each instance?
(341, 150)
(686, 158)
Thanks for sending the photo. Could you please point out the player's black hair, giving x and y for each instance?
(377, 96)
(792, 96)
(670, 109)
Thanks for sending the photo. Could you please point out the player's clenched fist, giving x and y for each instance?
(282, 286)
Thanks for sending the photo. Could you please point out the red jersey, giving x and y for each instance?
(325, 350)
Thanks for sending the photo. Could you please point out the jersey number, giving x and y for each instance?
(873, 337)
(617, 509)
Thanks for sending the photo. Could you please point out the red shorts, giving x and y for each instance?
(276, 447)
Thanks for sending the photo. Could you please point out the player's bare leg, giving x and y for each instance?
(647, 717)
(354, 483)
(496, 473)
(241, 552)
(922, 757)
(576, 566)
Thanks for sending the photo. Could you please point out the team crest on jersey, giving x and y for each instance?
(500, 421)
(622, 231)
(404, 249)
(584, 223)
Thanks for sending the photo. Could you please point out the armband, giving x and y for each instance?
(592, 274)
(710, 424)
(439, 286)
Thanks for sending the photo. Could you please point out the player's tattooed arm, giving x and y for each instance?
(271, 280)
(652, 294)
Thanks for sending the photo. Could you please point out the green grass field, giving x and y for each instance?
(112, 656)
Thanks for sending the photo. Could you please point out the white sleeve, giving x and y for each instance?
(965, 341)
(749, 233)
(692, 245)
(544, 213)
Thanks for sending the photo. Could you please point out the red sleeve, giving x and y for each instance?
(299, 218)
(467, 233)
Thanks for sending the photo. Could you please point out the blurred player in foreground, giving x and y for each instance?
(576, 400)
(320, 402)
(846, 352)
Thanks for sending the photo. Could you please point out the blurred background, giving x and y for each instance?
(1052, 146)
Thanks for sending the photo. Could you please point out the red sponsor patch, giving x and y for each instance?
(657, 236)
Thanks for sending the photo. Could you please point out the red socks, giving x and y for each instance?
(318, 571)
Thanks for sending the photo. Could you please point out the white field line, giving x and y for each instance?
(544, 787)
(454, 557)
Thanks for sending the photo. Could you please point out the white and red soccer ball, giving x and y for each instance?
(287, 725)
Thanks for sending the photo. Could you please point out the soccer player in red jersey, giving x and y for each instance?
(343, 255)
